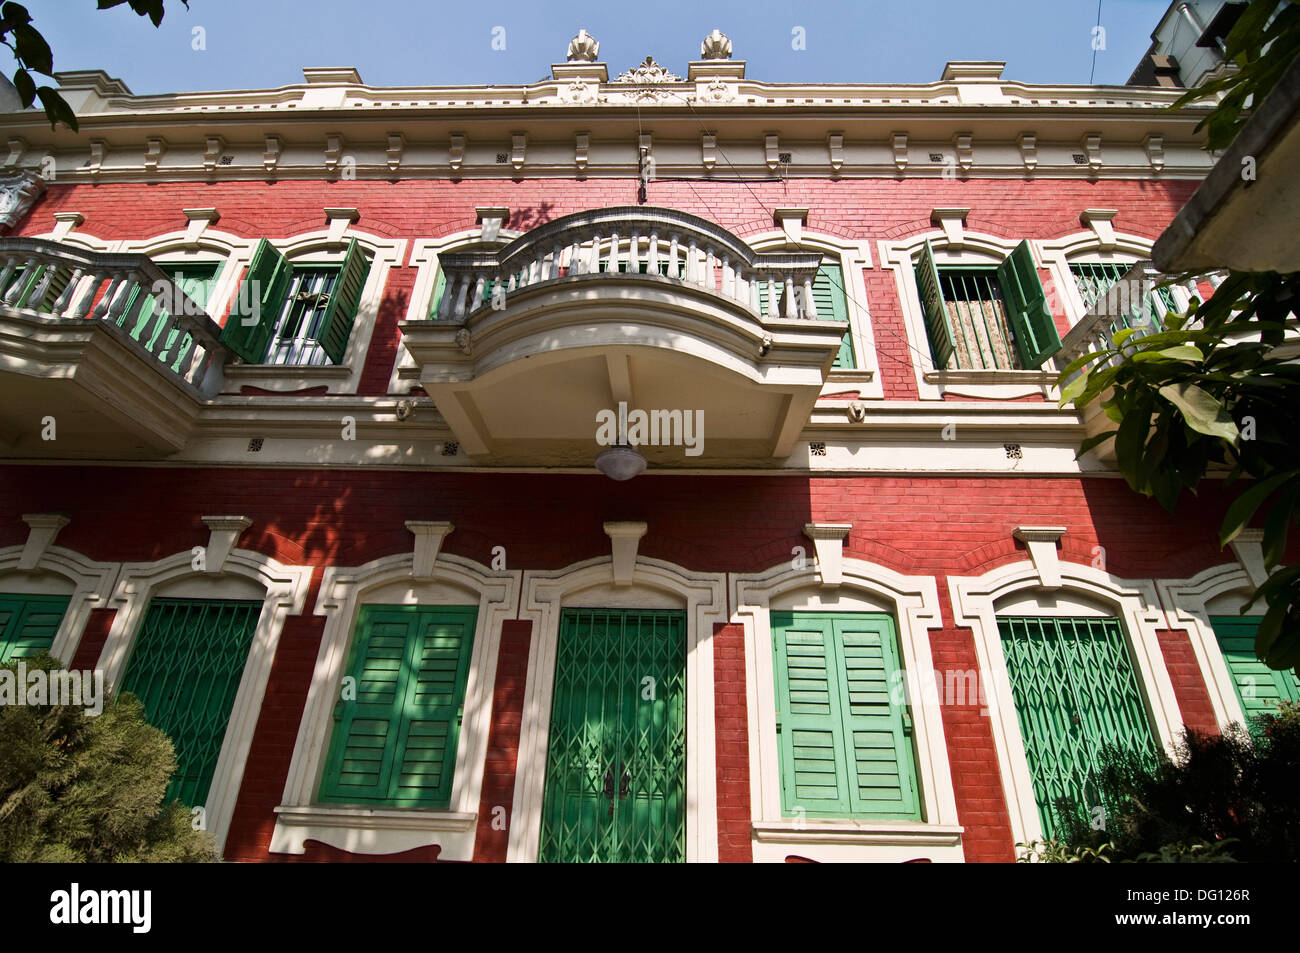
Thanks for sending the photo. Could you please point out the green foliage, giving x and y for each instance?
(33, 54)
(1221, 799)
(1261, 51)
(1053, 851)
(79, 788)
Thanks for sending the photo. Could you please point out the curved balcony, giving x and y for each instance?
(107, 345)
(647, 307)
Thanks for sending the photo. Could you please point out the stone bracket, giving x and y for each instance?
(339, 219)
(44, 528)
(429, 535)
(491, 220)
(225, 532)
(1248, 547)
(624, 539)
(199, 220)
(792, 222)
(828, 544)
(1041, 542)
(1100, 220)
(953, 222)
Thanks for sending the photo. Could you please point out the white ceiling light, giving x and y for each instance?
(620, 462)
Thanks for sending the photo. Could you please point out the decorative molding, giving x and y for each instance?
(334, 144)
(393, 154)
(271, 156)
(1092, 149)
(198, 220)
(338, 220)
(828, 544)
(624, 537)
(1029, 151)
(428, 543)
(154, 147)
(1100, 221)
(791, 222)
(708, 151)
(213, 147)
(1248, 547)
(1155, 149)
(648, 73)
(88, 584)
(772, 151)
(716, 46)
(952, 221)
(43, 529)
(224, 533)
(64, 223)
(965, 151)
(581, 150)
(900, 152)
(584, 48)
(835, 146)
(490, 219)
(518, 150)
(456, 151)
(98, 150)
(1041, 542)
(16, 146)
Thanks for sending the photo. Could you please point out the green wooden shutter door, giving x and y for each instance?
(185, 668)
(1075, 690)
(934, 308)
(1027, 310)
(395, 743)
(341, 312)
(28, 624)
(268, 273)
(1259, 688)
(844, 743)
(831, 299)
(438, 290)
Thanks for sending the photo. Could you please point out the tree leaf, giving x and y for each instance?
(56, 107)
(1244, 506)
(26, 87)
(1201, 411)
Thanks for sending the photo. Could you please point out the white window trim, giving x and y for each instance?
(231, 251)
(1135, 602)
(853, 258)
(455, 581)
(424, 258)
(316, 248)
(590, 583)
(913, 601)
(1187, 608)
(978, 248)
(91, 586)
(286, 593)
(1058, 254)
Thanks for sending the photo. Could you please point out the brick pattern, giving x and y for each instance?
(1189, 685)
(498, 790)
(731, 726)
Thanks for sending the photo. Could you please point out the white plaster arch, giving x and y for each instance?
(913, 601)
(285, 589)
(1058, 254)
(61, 571)
(1188, 606)
(1135, 602)
(389, 580)
(978, 248)
(545, 594)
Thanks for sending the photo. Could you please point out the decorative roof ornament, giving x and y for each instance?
(648, 73)
(716, 46)
(583, 48)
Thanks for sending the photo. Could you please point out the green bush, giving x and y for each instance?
(1222, 798)
(81, 788)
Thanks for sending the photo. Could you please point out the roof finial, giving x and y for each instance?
(583, 48)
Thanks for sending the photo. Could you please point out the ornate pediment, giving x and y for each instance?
(647, 74)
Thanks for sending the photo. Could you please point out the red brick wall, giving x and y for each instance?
(856, 209)
(498, 791)
(1189, 685)
(948, 526)
(731, 720)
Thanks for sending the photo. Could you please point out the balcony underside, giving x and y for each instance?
(106, 401)
(523, 385)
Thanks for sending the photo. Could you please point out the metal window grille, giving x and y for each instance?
(977, 320)
(297, 332)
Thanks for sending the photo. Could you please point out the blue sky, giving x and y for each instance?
(264, 43)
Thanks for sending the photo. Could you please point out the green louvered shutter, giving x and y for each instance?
(395, 743)
(1027, 310)
(830, 296)
(59, 280)
(341, 311)
(934, 308)
(195, 279)
(1259, 688)
(845, 748)
(268, 273)
(438, 290)
(185, 668)
(28, 624)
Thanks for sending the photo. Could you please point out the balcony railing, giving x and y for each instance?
(1138, 301)
(126, 294)
(642, 244)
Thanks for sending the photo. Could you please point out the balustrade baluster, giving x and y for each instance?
(480, 285)
(728, 278)
(771, 298)
(11, 264)
(60, 305)
(16, 291)
(673, 259)
(809, 305)
(594, 262)
(692, 265)
(708, 279)
(555, 261)
(789, 296)
(81, 307)
(611, 263)
(652, 265)
(461, 293)
(633, 255)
